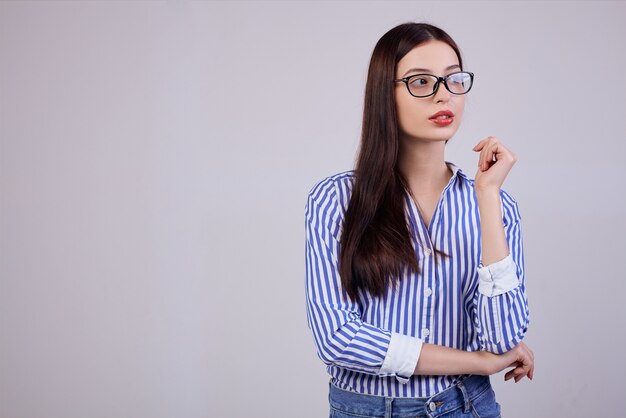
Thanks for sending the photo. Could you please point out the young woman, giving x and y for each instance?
(415, 288)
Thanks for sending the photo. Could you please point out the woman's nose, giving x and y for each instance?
(442, 93)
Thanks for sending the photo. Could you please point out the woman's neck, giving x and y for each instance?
(423, 166)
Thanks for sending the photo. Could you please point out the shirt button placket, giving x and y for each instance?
(428, 303)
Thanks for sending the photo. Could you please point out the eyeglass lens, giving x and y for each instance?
(424, 85)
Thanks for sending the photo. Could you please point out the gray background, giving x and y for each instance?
(154, 165)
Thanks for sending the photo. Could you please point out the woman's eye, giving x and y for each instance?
(419, 82)
(459, 79)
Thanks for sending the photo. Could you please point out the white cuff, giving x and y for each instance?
(498, 278)
(401, 358)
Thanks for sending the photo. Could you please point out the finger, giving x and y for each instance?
(480, 144)
(482, 157)
(483, 142)
(514, 376)
(521, 370)
(524, 362)
(519, 376)
(487, 156)
(490, 157)
(491, 152)
(500, 152)
(488, 152)
(515, 372)
(509, 375)
(531, 356)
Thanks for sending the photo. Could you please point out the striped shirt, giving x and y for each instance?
(372, 345)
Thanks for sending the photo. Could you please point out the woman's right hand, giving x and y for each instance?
(521, 357)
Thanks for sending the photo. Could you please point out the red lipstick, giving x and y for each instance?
(442, 118)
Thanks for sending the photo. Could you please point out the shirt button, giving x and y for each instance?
(428, 292)
(427, 251)
(432, 406)
(426, 332)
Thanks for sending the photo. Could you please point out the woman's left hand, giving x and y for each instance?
(494, 163)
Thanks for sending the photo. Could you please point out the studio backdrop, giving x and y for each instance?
(155, 159)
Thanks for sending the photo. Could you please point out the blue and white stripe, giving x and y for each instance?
(372, 345)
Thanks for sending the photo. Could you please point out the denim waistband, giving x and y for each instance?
(456, 396)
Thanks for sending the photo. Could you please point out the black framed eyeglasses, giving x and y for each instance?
(424, 85)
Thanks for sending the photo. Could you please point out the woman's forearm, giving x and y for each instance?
(494, 246)
(440, 360)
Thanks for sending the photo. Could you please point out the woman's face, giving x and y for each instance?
(414, 113)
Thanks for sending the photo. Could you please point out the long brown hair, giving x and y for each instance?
(375, 242)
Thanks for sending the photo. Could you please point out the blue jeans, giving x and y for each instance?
(470, 397)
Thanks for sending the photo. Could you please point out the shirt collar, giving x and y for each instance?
(456, 171)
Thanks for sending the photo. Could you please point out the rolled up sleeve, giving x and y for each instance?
(341, 336)
(402, 356)
(498, 278)
(500, 302)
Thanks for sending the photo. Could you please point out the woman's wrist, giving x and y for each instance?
(485, 363)
(487, 192)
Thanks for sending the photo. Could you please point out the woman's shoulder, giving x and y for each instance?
(343, 180)
(333, 190)
(510, 208)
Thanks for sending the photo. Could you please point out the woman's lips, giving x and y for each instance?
(443, 118)
(442, 121)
